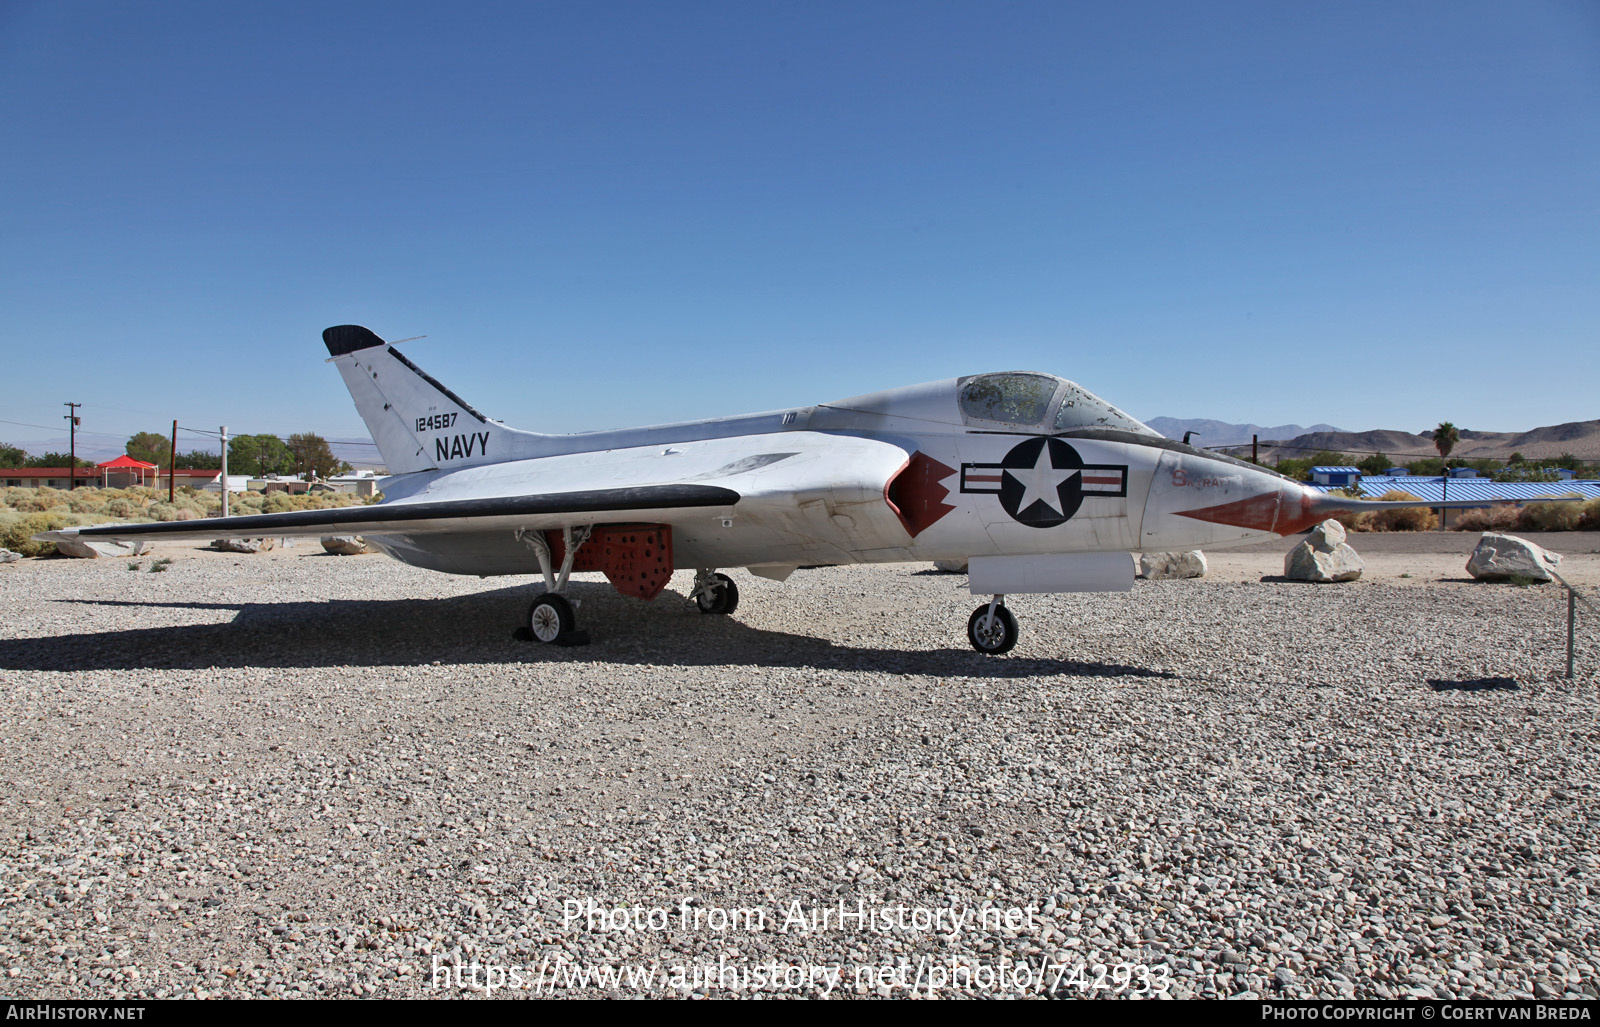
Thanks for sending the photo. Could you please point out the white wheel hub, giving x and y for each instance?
(545, 622)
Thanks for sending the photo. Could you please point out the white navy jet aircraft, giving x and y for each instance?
(1038, 484)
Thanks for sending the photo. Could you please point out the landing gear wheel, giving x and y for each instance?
(992, 636)
(721, 597)
(550, 618)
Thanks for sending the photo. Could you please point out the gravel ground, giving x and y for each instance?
(294, 774)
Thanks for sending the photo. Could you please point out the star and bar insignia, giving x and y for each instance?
(1043, 481)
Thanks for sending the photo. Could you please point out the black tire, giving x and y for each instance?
(550, 618)
(992, 640)
(721, 600)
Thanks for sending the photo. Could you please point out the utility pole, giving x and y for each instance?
(172, 464)
(1255, 449)
(72, 462)
(224, 470)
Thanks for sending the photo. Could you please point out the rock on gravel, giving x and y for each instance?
(254, 777)
(90, 549)
(1504, 557)
(1323, 557)
(1167, 566)
(244, 545)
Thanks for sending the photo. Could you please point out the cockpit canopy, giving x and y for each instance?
(1042, 402)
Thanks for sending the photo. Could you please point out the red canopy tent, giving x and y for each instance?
(123, 463)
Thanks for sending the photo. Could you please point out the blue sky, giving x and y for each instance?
(603, 214)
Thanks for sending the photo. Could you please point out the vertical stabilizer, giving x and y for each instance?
(417, 423)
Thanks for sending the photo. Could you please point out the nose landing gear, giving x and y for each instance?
(714, 593)
(992, 629)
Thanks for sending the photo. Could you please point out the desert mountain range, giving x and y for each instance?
(1580, 438)
(1211, 434)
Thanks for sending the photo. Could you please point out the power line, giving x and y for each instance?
(270, 435)
(196, 431)
(51, 427)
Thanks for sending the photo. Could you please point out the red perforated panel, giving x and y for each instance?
(636, 558)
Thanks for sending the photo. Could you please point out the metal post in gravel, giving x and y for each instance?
(224, 470)
(1572, 616)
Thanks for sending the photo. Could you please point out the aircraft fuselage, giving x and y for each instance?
(897, 476)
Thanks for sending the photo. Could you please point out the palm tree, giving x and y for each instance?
(1445, 438)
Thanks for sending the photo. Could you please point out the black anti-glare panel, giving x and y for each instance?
(644, 497)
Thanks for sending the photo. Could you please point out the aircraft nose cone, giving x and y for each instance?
(1264, 503)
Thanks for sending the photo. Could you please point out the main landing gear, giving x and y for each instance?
(553, 618)
(992, 629)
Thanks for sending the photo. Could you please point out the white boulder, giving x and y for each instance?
(87, 549)
(244, 545)
(76, 548)
(1323, 557)
(1503, 557)
(7, 556)
(345, 545)
(1163, 566)
(951, 566)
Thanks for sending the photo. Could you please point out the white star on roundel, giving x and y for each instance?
(1040, 482)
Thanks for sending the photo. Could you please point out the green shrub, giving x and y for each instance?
(1494, 518)
(19, 536)
(1416, 518)
(1551, 516)
(86, 501)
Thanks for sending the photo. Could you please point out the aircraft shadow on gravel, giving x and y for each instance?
(404, 632)
(1473, 685)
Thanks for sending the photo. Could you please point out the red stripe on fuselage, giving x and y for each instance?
(1262, 513)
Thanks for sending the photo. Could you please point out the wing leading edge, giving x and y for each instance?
(644, 502)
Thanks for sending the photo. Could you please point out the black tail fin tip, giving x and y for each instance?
(342, 339)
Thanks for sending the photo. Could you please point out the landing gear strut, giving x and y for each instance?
(553, 618)
(992, 629)
(714, 593)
